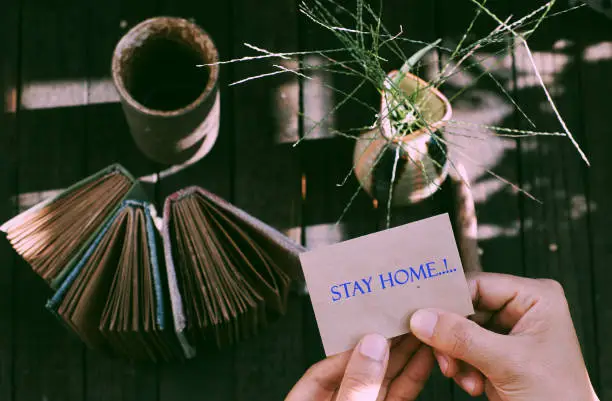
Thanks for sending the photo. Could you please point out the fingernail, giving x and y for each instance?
(374, 346)
(423, 322)
(443, 362)
(469, 384)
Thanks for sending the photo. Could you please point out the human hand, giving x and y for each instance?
(527, 348)
(370, 372)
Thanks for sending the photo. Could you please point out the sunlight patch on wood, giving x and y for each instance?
(598, 52)
(26, 200)
(324, 234)
(580, 207)
(318, 100)
(486, 188)
(467, 144)
(490, 231)
(294, 233)
(287, 105)
(525, 77)
(67, 93)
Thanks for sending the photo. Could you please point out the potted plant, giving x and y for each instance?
(402, 158)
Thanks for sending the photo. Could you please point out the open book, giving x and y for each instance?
(215, 274)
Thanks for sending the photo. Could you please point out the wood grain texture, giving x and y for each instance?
(267, 181)
(497, 206)
(327, 159)
(48, 360)
(71, 125)
(211, 374)
(108, 141)
(9, 23)
(556, 240)
(418, 20)
(595, 47)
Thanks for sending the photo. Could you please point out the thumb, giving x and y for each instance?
(366, 370)
(460, 338)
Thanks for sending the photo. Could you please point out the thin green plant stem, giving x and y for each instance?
(463, 38)
(495, 17)
(268, 54)
(470, 53)
(391, 185)
(264, 51)
(363, 45)
(494, 174)
(254, 77)
(333, 110)
(504, 129)
(554, 107)
(296, 72)
(500, 86)
(360, 22)
(354, 196)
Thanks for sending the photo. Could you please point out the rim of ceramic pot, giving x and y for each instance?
(153, 27)
(448, 112)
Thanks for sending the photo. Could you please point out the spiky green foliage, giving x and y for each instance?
(364, 40)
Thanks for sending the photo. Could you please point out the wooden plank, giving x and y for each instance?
(325, 164)
(327, 159)
(211, 373)
(556, 240)
(418, 22)
(48, 360)
(108, 141)
(497, 205)
(267, 181)
(593, 34)
(9, 23)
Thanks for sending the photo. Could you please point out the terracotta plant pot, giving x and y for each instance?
(171, 105)
(422, 166)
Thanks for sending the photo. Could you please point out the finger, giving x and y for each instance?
(448, 366)
(397, 340)
(321, 380)
(511, 297)
(409, 384)
(460, 338)
(365, 370)
(400, 353)
(482, 317)
(470, 380)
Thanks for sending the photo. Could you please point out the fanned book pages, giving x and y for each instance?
(113, 297)
(226, 267)
(97, 245)
(52, 235)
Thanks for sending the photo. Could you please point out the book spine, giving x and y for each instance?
(155, 269)
(65, 285)
(176, 301)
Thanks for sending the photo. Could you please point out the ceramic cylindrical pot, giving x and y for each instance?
(170, 100)
(423, 163)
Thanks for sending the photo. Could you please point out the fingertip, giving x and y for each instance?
(471, 382)
(442, 363)
(423, 323)
(448, 366)
(374, 346)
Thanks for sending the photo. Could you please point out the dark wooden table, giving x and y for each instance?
(60, 120)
